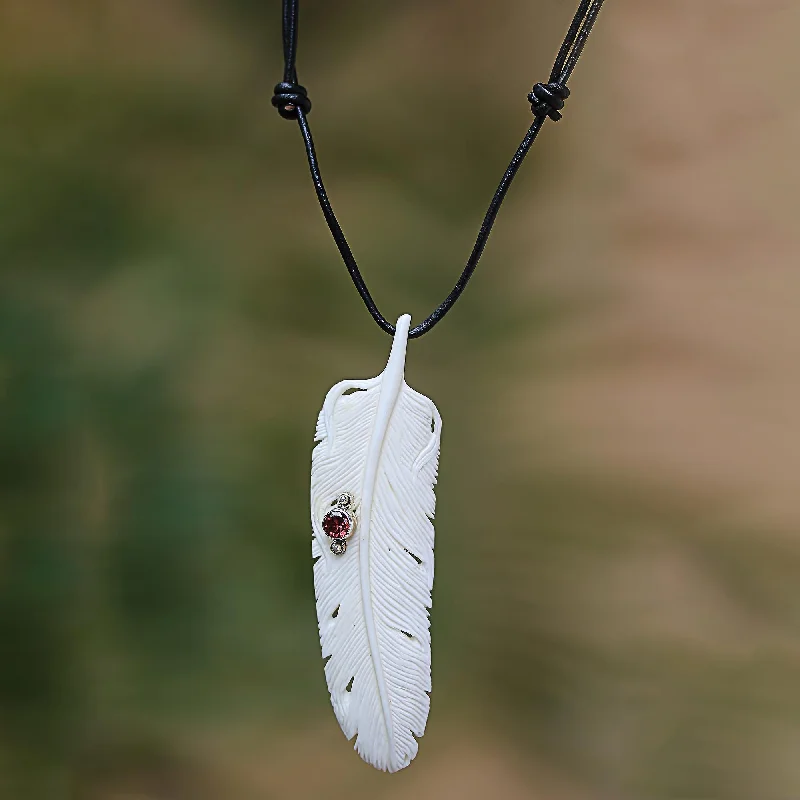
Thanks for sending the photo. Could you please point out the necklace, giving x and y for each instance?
(373, 472)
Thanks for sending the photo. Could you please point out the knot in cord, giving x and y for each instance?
(547, 100)
(289, 97)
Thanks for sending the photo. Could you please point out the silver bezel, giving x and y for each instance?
(348, 512)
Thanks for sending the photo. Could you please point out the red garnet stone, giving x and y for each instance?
(337, 524)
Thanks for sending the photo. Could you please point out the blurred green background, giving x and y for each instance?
(616, 606)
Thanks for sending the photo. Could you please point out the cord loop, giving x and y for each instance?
(289, 97)
(547, 100)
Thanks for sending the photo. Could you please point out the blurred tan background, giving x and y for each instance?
(620, 383)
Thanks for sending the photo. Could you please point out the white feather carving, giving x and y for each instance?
(380, 443)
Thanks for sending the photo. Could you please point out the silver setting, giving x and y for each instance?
(343, 505)
(338, 547)
(344, 500)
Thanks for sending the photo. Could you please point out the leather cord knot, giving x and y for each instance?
(547, 100)
(289, 97)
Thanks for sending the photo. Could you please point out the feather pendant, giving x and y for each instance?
(372, 501)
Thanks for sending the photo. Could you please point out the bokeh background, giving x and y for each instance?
(616, 607)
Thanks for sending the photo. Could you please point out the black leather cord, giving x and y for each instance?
(546, 99)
